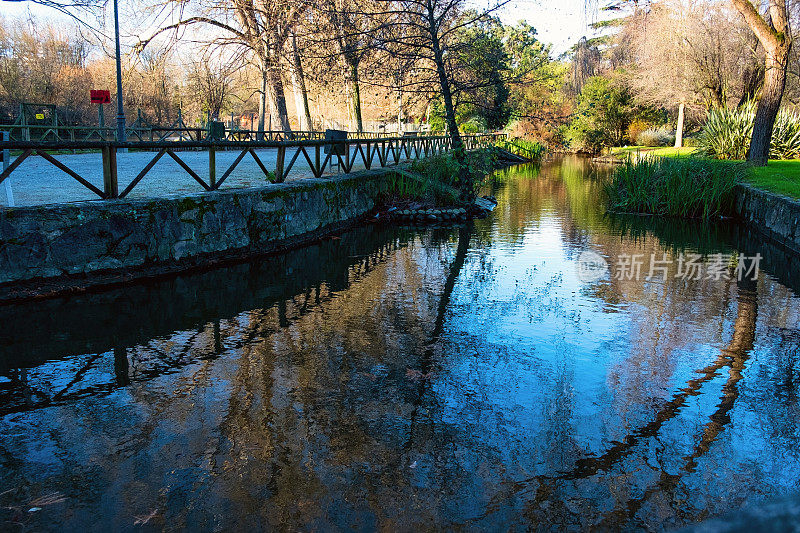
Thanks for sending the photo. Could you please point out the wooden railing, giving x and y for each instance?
(56, 134)
(318, 154)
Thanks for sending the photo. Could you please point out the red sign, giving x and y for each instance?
(100, 96)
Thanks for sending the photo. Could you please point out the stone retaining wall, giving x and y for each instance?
(775, 216)
(86, 237)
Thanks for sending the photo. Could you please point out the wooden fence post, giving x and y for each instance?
(279, 164)
(6, 136)
(212, 167)
(110, 185)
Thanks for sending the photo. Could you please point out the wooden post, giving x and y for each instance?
(110, 185)
(212, 166)
(26, 133)
(121, 366)
(318, 170)
(6, 136)
(279, 164)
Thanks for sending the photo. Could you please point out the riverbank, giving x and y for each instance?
(774, 216)
(764, 198)
(778, 176)
(66, 248)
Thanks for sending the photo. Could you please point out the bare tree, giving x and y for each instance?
(208, 82)
(586, 59)
(71, 8)
(154, 82)
(260, 27)
(350, 26)
(685, 57)
(299, 83)
(432, 34)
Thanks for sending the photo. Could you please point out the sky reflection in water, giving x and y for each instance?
(413, 379)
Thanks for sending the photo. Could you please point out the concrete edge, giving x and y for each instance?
(771, 215)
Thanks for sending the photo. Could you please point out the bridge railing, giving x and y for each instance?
(319, 154)
(55, 134)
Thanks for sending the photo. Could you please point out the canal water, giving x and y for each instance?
(411, 379)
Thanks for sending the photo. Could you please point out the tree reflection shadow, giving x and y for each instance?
(733, 356)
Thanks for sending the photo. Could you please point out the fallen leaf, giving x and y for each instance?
(141, 520)
(48, 499)
(416, 375)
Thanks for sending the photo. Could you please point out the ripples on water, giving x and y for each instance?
(409, 379)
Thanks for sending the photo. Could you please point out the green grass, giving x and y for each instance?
(781, 177)
(665, 151)
(532, 149)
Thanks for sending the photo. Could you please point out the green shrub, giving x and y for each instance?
(444, 168)
(407, 186)
(727, 132)
(785, 142)
(683, 187)
(474, 125)
(661, 136)
(534, 150)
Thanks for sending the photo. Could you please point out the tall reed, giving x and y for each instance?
(682, 187)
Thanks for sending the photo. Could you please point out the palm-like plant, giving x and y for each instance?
(727, 132)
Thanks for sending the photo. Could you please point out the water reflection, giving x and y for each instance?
(409, 380)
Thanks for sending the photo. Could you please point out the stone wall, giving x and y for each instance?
(169, 233)
(775, 216)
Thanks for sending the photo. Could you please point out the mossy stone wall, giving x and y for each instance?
(85, 237)
(775, 216)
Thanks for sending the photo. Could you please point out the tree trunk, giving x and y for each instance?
(679, 126)
(775, 68)
(774, 34)
(400, 101)
(299, 86)
(354, 94)
(400, 110)
(277, 98)
(464, 175)
(262, 105)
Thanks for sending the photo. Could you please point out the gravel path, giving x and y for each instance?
(37, 182)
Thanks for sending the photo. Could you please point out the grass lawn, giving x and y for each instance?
(782, 177)
(665, 151)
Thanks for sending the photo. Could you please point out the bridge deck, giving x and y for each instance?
(38, 182)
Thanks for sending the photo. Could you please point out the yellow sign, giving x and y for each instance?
(39, 116)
